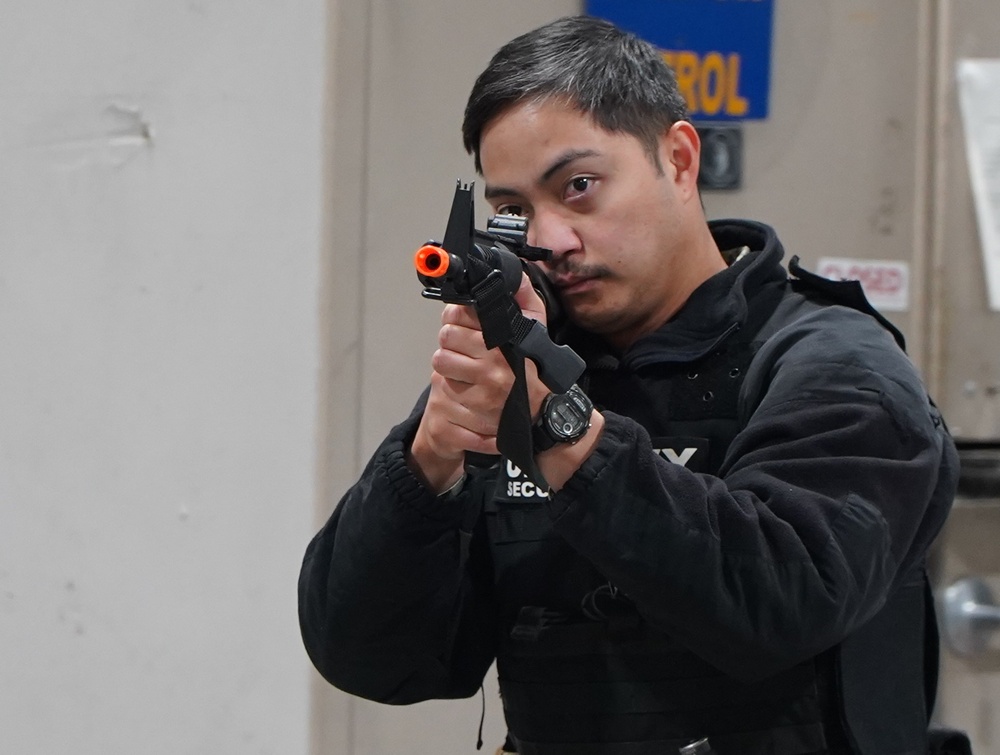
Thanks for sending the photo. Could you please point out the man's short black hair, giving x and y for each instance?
(619, 80)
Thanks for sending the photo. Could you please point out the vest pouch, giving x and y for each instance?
(576, 686)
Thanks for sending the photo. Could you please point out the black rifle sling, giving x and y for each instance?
(504, 326)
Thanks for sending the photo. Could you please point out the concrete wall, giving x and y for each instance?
(160, 233)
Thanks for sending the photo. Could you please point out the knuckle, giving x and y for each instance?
(444, 334)
(449, 313)
(501, 377)
(437, 363)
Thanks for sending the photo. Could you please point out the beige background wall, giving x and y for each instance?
(159, 262)
(967, 365)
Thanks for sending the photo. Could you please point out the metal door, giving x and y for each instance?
(964, 371)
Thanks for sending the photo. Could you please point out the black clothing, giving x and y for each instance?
(740, 555)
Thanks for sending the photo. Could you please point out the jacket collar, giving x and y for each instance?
(714, 311)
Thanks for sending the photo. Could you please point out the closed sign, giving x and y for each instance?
(886, 283)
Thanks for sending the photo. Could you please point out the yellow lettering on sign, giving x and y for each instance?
(709, 84)
(687, 76)
(736, 104)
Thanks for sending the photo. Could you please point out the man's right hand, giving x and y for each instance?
(467, 382)
(469, 386)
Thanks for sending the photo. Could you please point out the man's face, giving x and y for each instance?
(617, 225)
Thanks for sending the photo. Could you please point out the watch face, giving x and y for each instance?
(565, 420)
(568, 415)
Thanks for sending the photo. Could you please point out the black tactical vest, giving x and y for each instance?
(581, 673)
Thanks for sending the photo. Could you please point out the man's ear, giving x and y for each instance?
(680, 151)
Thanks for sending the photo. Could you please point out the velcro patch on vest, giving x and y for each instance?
(513, 486)
(690, 453)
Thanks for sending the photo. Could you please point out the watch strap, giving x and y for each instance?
(541, 438)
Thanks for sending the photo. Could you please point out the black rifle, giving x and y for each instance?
(483, 269)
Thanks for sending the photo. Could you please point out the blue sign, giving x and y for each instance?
(719, 49)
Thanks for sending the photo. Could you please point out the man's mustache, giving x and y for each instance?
(565, 268)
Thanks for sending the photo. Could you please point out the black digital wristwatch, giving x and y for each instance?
(565, 418)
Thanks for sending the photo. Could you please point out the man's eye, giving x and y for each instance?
(510, 209)
(580, 185)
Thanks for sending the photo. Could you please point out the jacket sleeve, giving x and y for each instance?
(394, 600)
(835, 486)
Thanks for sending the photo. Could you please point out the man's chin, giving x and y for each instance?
(600, 323)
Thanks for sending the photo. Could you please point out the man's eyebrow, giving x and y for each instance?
(492, 192)
(563, 160)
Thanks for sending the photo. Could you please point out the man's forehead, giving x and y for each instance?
(545, 136)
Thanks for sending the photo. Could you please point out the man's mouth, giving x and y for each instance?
(575, 283)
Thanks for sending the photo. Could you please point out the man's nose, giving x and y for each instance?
(550, 231)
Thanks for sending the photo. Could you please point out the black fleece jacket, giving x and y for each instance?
(837, 482)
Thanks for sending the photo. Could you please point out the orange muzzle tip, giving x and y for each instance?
(431, 261)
